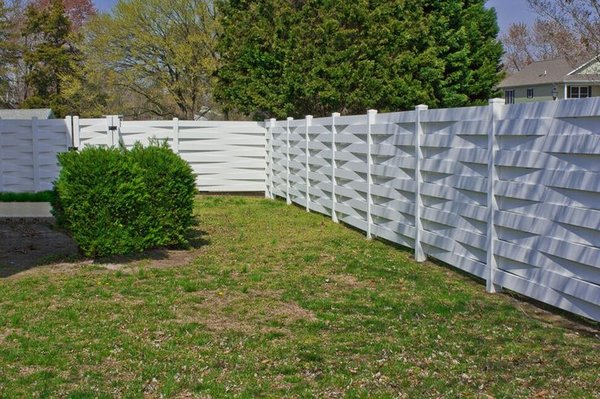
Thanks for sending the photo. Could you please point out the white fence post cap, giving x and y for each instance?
(372, 113)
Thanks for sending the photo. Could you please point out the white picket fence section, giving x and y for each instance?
(509, 193)
(28, 151)
(225, 156)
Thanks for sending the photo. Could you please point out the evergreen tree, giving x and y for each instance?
(50, 58)
(292, 57)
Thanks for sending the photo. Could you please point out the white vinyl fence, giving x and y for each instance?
(509, 193)
(225, 156)
(28, 151)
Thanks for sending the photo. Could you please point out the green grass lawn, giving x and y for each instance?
(278, 302)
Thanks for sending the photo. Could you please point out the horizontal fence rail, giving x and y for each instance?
(509, 193)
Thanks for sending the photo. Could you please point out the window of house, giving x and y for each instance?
(509, 96)
(530, 93)
(579, 91)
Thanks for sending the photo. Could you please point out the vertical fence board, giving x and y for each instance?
(1, 155)
(307, 126)
(288, 199)
(492, 205)
(334, 117)
(35, 150)
(175, 143)
(371, 115)
(419, 252)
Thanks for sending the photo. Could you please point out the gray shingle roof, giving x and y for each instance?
(40, 113)
(539, 73)
(548, 72)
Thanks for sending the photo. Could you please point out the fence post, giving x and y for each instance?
(268, 129)
(334, 116)
(272, 123)
(1, 152)
(69, 131)
(419, 252)
(113, 130)
(495, 105)
(109, 136)
(371, 114)
(35, 144)
(309, 119)
(117, 131)
(176, 135)
(76, 133)
(288, 199)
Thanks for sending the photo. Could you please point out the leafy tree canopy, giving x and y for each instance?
(162, 54)
(296, 57)
(568, 29)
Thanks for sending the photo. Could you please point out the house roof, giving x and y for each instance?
(551, 71)
(539, 73)
(40, 113)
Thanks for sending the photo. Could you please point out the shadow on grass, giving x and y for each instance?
(196, 240)
(29, 243)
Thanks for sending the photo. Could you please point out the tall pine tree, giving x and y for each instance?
(290, 57)
(50, 58)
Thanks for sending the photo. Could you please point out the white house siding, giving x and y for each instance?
(544, 92)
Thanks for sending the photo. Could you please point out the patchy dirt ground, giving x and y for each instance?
(25, 243)
(246, 313)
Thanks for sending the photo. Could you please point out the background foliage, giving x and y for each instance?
(564, 29)
(151, 59)
(283, 58)
(162, 54)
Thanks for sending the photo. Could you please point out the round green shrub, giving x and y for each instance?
(116, 201)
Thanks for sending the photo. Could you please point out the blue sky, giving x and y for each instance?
(509, 11)
(104, 5)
